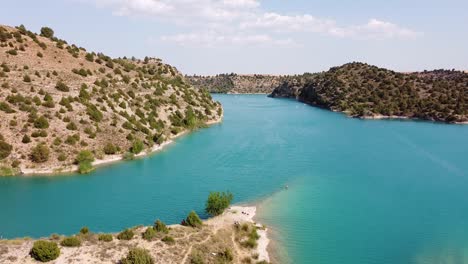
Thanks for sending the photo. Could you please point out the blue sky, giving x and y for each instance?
(254, 36)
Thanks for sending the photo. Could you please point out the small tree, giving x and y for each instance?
(44, 251)
(26, 139)
(62, 87)
(47, 32)
(71, 242)
(137, 146)
(138, 256)
(84, 160)
(110, 149)
(159, 226)
(40, 153)
(193, 220)
(127, 234)
(217, 202)
(41, 122)
(5, 149)
(149, 234)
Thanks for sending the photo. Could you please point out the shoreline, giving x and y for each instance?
(188, 241)
(109, 159)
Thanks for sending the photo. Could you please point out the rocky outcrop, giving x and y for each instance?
(366, 91)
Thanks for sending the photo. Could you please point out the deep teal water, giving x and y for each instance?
(359, 191)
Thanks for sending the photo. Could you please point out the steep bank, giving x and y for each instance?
(208, 243)
(64, 107)
(366, 91)
(236, 83)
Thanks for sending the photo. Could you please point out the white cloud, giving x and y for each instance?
(245, 22)
(212, 39)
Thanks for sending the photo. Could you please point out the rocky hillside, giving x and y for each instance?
(366, 91)
(62, 105)
(237, 84)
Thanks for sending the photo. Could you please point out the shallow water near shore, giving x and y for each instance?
(360, 191)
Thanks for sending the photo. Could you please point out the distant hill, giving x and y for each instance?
(57, 99)
(235, 83)
(366, 91)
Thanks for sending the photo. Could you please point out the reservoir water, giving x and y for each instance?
(360, 191)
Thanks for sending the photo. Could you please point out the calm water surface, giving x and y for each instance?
(359, 191)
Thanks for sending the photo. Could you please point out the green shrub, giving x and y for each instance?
(127, 234)
(217, 202)
(137, 256)
(85, 167)
(84, 230)
(149, 234)
(71, 126)
(5, 149)
(47, 32)
(44, 251)
(137, 146)
(71, 242)
(192, 220)
(85, 156)
(128, 156)
(12, 52)
(40, 153)
(110, 149)
(159, 226)
(94, 113)
(84, 160)
(196, 258)
(26, 139)
(26, 78)
(41, 122)
(62, 87)
(105, 237)
(226, 255)
(168, 240)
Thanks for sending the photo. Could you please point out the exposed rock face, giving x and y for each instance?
(234, 83)
(362, 90)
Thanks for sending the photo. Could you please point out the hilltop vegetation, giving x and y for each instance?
(363, 90)
(234, 83)
(58, 100)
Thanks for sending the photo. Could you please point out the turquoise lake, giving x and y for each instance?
(360, 191)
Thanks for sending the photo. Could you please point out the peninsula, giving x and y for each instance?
(65, 108)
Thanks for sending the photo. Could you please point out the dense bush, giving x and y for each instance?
(110, 149)
(40, 153)
(71, 242)
(159, 226)
(192, 220)
(84, 230)
(94, 113)
(105, 237)
(26, 139)
(84, 160)
(137, 256)
(168, 240)
(44, 251)
(41, 122)
(5, 149)
(62, 87)
(149, 234)
(47, 32)
(137, 146)
(127, 234)
(217, 202)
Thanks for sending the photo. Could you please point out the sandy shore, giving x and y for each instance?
(109, 159)
(216, 235)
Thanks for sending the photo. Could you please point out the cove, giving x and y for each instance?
(360, 191)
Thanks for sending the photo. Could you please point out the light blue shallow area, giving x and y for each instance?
(359, 191)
